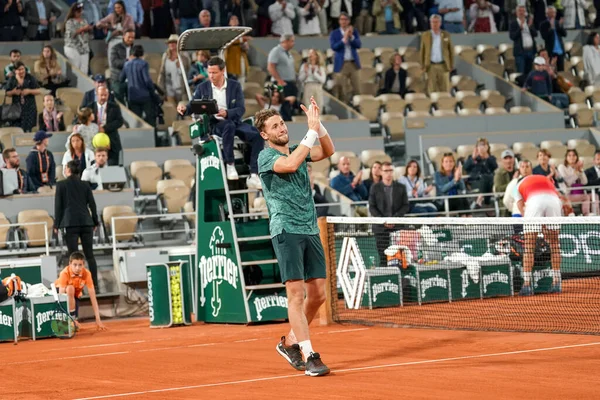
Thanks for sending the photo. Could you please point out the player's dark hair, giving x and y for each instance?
(76, 255)
(261, 117)
(218, 61)
(75, 167)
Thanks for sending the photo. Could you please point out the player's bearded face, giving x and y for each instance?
(276, 131)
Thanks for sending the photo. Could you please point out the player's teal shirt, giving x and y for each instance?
(289, 196)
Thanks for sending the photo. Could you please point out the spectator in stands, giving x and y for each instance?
(416, 10)
(312, 77)
(11, 29)
(281, 66)
(263, 21)
(109, 119)
(48, 71)
(539, 83)
(120, 54)
(240, 10)
(436, 55)
(537, 9)
(116, 24)
(141, 97)
(89, 97)
(77, 38)
(77, 151)
(558, 96)
(394, 81)
(387, 198)
(387, 14)
(552, 32)
(93, 14)
(197, 72)
(345, 42)
(574, 178)
(481, 166)
(9, 70)
(318, 197)
(416, 189)
(508, 200)
(591, 59)
(236, 55)
(11, 158)
(92, 173)
(309, 25)
(282, 14)
(545, 168)
(282, 105)
(449, 182)
(86, 126)
(349, 184)
(40, 16)
(593, 172)
(205, 19)
(23, 88)
(374, 175)
(505, 174)
(481, 14)
(574, 13)
(41, 167)
(50, 119)
(453, 12)
(522, 32)
(135, 10)
(337, 8)
(185, 14)
(170, 77)
(75, 211)
(227, 123)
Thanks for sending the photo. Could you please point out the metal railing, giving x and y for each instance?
(16, 230)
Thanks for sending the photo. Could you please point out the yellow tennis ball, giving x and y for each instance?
(101, 139)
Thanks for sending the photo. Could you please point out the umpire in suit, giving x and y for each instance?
(227, 123)
(75, 211)
(387, 198)
(109, 119)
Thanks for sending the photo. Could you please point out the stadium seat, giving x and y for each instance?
(256, 75)
(98, 64)
(366, 56)
(505, 50)
(546, 144)
(394, 125)
(592, 93)
(464, 150)
(444, 113)
(556, 161)
(182, 128)
(488, 53)
(469, 55)
(354, 161)
(468, 100)
(495, 111)
(367, 74)
(59, 173)
(367, 105)
(492, 98)
(498, 146)
(576, 96)
(398, 172)
(368, 157)
(463, 83)
(125, 229)
(299, 118)
(409, 54)
(5, 232)
(321, 168)
(468, 112)
(70, 97)
(329, 117)
(182, 170)
(188, 207)
(528, 153)
(416, 85)
(460, 48)
(520, 110)
(384, 54)
(297, 58)
(172, 195)
(443, 101)
(6, 135)
(252, 107)
(154, 60)
(517, 147)
(574, 143)
(494, 67)
(513, 77)
(586, 150)
(418, 114)
(418, 102)
(413, 70)
(251, 89)
(392, 102)
(558, 151)
(588, 162)
(581, 116)
(34, 235)
(145, 175)
(169, 114)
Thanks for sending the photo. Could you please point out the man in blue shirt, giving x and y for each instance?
(453, 12)
(553, 31)
(348, 184)
(141, 98)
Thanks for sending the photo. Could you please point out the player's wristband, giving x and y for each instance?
(322, 131)
(309, 139)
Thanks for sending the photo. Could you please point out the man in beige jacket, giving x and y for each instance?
(436, 56)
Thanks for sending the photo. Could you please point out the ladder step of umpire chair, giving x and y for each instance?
(254, 238)
(260, 262)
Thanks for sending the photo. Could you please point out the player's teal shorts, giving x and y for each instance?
(300, 257)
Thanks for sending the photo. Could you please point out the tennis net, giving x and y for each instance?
(466, 273)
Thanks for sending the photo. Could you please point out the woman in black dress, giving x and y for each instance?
(23, 87)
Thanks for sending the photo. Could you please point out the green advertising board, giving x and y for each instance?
(464, 285)
(383, 288)
(497, 280)
(580, 248)
(542, 278)
(35, 316)
(170, 294)
(268, 305)
(8, 328)
(31, 274)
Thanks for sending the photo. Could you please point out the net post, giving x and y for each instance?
(325, 311)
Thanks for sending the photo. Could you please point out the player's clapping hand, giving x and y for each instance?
(312, 113)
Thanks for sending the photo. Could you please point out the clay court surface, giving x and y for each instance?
(133, 361)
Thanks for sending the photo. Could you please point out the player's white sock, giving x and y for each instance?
(556, 277)
(306, 348)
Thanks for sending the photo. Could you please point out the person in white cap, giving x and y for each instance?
(539, 83)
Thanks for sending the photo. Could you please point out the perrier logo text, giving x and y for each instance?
(6, 320)
(208, 162)
(263, 303)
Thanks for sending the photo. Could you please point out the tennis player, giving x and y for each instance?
(536, 197)
(72, 279)
(293, 225)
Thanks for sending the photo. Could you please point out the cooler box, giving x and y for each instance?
(8, 327)
(169, 294)
(426, 283)
(35, 316)
(542, 278)
(383, 288)
(494, 278)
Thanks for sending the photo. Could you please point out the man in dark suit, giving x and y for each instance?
(387, 198)
(119, 55)
(592, 173)
(553, 31)
(11, 158)
(41, 26)
(89, 97)
(522, 32)
(227, 123)
(109, 119)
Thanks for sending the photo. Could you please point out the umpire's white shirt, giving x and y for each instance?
(220, 95)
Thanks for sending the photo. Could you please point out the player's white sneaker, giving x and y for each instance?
(254, 182)
(232, 174)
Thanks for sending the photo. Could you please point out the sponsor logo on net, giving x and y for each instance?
(379, 288)
(209, 162)
(266, 302)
